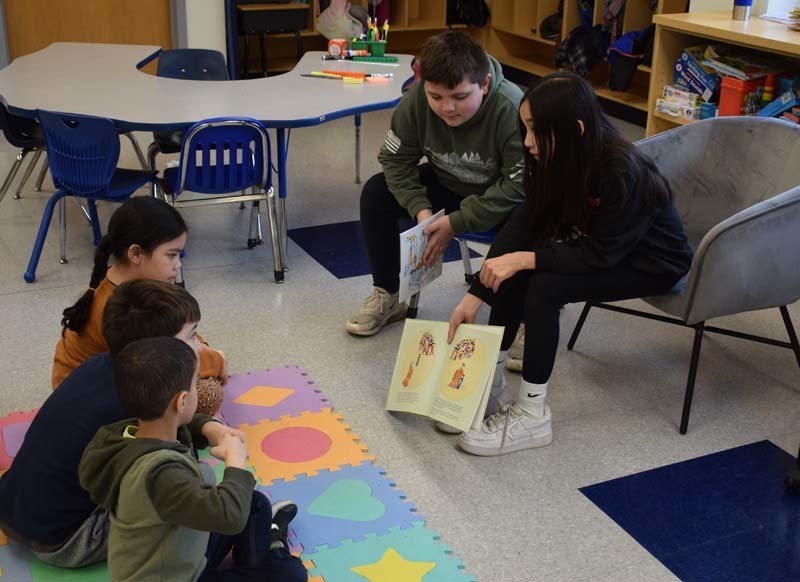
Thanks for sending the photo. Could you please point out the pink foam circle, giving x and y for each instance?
(296, 444)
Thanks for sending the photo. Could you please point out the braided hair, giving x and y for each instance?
(143, 221)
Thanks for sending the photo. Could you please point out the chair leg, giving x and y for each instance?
(578, 326)
(463, 248)
(97, 234)
(274, 227)
(787, 321)
(254, 237)
(83, 210)
(62, 223)
(137, 150)
(687, 399)
(42, 173)
(36, 154)
(13, 172)
(242, 204)
(413, 306)
(44, 226)
(153, 151)
(357, 123)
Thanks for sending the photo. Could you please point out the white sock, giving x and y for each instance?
(531, 397)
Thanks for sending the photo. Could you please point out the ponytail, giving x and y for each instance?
(143, 221)
(75, 317)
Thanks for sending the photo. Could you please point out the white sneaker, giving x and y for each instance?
(516, 351)
(380, 308)
(497, 400)
(511, 429)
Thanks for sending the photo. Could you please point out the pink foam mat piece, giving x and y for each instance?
(13, 435)
(306, 396)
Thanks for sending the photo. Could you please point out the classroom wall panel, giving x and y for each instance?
(32, 25)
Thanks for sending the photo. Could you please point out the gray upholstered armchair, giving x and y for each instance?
(736, 182)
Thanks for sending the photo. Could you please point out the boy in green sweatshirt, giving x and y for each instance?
(143, 471)
(462, 117)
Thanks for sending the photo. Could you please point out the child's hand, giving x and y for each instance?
(216, 431)
(232, 450)
(439, 234)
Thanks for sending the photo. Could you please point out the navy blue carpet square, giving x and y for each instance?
(724, 516)
(340, 247)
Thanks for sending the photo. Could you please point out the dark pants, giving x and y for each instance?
(380, 213)
(252, 557)
(537, 298)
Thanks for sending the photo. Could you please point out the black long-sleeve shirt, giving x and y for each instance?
(621, 228)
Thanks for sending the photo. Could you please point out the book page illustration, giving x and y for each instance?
(413, 276)
(446, 382)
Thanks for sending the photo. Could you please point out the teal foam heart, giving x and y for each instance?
(349, 499)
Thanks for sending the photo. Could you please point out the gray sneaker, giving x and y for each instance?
(497, 400)
(511, 429)
(379, 309)
(516, 351)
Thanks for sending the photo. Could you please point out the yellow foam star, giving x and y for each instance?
(267, 396)
(393, 567)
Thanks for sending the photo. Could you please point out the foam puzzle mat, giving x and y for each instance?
(354, 523)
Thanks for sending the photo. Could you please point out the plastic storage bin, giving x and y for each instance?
(739, 97)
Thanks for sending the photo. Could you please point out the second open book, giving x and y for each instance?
(450, 383)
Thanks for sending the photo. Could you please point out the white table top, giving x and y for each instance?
(103, 80)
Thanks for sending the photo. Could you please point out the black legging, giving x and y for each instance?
(380, 213)
(537, 297)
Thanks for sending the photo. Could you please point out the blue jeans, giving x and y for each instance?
(252, 557)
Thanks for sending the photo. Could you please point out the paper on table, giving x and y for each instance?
(412, 246)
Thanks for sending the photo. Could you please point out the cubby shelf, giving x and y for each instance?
(510, 40)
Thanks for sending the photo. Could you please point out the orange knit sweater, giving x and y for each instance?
(75, 348)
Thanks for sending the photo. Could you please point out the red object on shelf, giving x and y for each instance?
(735, 95)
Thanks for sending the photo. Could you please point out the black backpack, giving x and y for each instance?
(471, 12)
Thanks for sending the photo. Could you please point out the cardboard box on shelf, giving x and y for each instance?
(680, 95)
(690, 73)
(677, 110)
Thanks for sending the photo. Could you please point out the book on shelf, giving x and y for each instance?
(450, 383)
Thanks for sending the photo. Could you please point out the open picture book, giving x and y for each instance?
(450, 383)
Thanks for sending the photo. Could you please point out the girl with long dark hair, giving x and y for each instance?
(598, 224)
(144, 240)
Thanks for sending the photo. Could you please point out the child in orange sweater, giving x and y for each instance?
(145, 239)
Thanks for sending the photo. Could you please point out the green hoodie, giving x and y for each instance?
(481, 159)
(161, 509)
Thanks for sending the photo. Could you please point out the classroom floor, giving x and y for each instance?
(615, 400)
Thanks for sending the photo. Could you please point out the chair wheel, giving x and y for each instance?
(469, 278)
(411, 313)
(792, 480)
(254, 242)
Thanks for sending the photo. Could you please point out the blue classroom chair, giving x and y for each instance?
(26, 135)
(223, 156)
(82, 152)
(192, 65)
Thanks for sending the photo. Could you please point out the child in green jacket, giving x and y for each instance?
(462, 117)
(143, 471)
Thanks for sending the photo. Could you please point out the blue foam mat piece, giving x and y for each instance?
(313, 527)
(723, 516)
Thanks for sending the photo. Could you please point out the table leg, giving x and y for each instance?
(357, 122)
(282, 193)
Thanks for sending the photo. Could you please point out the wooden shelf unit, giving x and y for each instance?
(410, 23)
(674, 32)
(513, 38)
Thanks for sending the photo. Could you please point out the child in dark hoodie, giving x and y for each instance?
(143, 471)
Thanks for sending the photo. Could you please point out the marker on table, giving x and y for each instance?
(319, 75)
